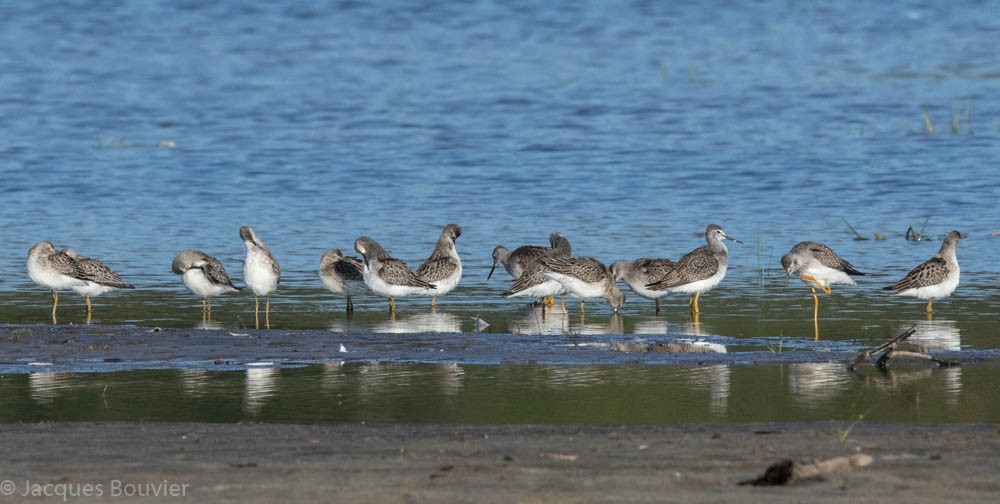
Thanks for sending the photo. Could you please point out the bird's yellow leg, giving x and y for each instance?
(392, 305)
(86, 300)
(55, 303)
(433, 302)
(562, 301)
(582, 311)
(208, 301)
(695, 301)
(267, 313)
(930, 312)
(256, 312)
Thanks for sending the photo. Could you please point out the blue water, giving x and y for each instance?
(627, 126)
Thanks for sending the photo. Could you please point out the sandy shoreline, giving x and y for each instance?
(521, 463)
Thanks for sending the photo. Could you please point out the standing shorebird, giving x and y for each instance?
(515, 262)
(935, 278)
(640, 272)
(68, 270)
(387, 276)
(204, 276)
(443, 268)
(699, 270)
(343, 275)
(585, 278)
(97, 277)
(818, 266)
(261, 273)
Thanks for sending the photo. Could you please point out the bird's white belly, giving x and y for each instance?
(577, 287)
(48, 278)
(259, 276)
(198, 283)
(701, 285)
(938, 291)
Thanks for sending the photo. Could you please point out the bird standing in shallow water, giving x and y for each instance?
(443, 268)
(584, 277)
(387, 276)
(818, 266)
(68, 270)
(699, 270)
(935, 278)
(203, 275)
(261, 273)
(342, 275)
(640, 272)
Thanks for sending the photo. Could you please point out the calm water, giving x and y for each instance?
(626, 126)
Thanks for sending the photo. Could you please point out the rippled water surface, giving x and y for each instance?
(132, 131)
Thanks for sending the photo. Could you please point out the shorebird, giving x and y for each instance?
(443, 268)
(387, 276)
(516, 261)
(585, 278)
(643, 271)
(699, 270)
(261, 273)
(204, 276)
(935, 278)
(66, 269)
(342, 275)
(818, 266)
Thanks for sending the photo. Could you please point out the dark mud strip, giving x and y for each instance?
(110, 348)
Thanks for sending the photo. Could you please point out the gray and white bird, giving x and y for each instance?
(203, 275)
(935, 278)
(342, 274)
(818, 266)
(387, 276)
(66, 269)
(261, 272)
(585, 278)
(443, 268)
(640, 272)
(699, 270)
(515, 262)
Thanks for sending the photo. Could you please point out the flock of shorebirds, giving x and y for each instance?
(543, 272)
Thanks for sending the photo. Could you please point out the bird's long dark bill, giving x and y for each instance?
(491, 271)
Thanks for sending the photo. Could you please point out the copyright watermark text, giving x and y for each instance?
(110, 488)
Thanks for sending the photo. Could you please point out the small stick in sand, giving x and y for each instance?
(787, 472)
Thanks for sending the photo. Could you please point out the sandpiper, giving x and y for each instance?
(699, 270)
(585, 278)
(818, 266)
(204, 276)
(387, 276)
(443, 268)
(640, 272)
(516, 261)
(935, 278)
(261, 273)
(67, 269)
(342, 275)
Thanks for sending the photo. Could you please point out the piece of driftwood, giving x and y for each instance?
(863, 356)
(889, 351)
(787, 472)
(883, 361)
